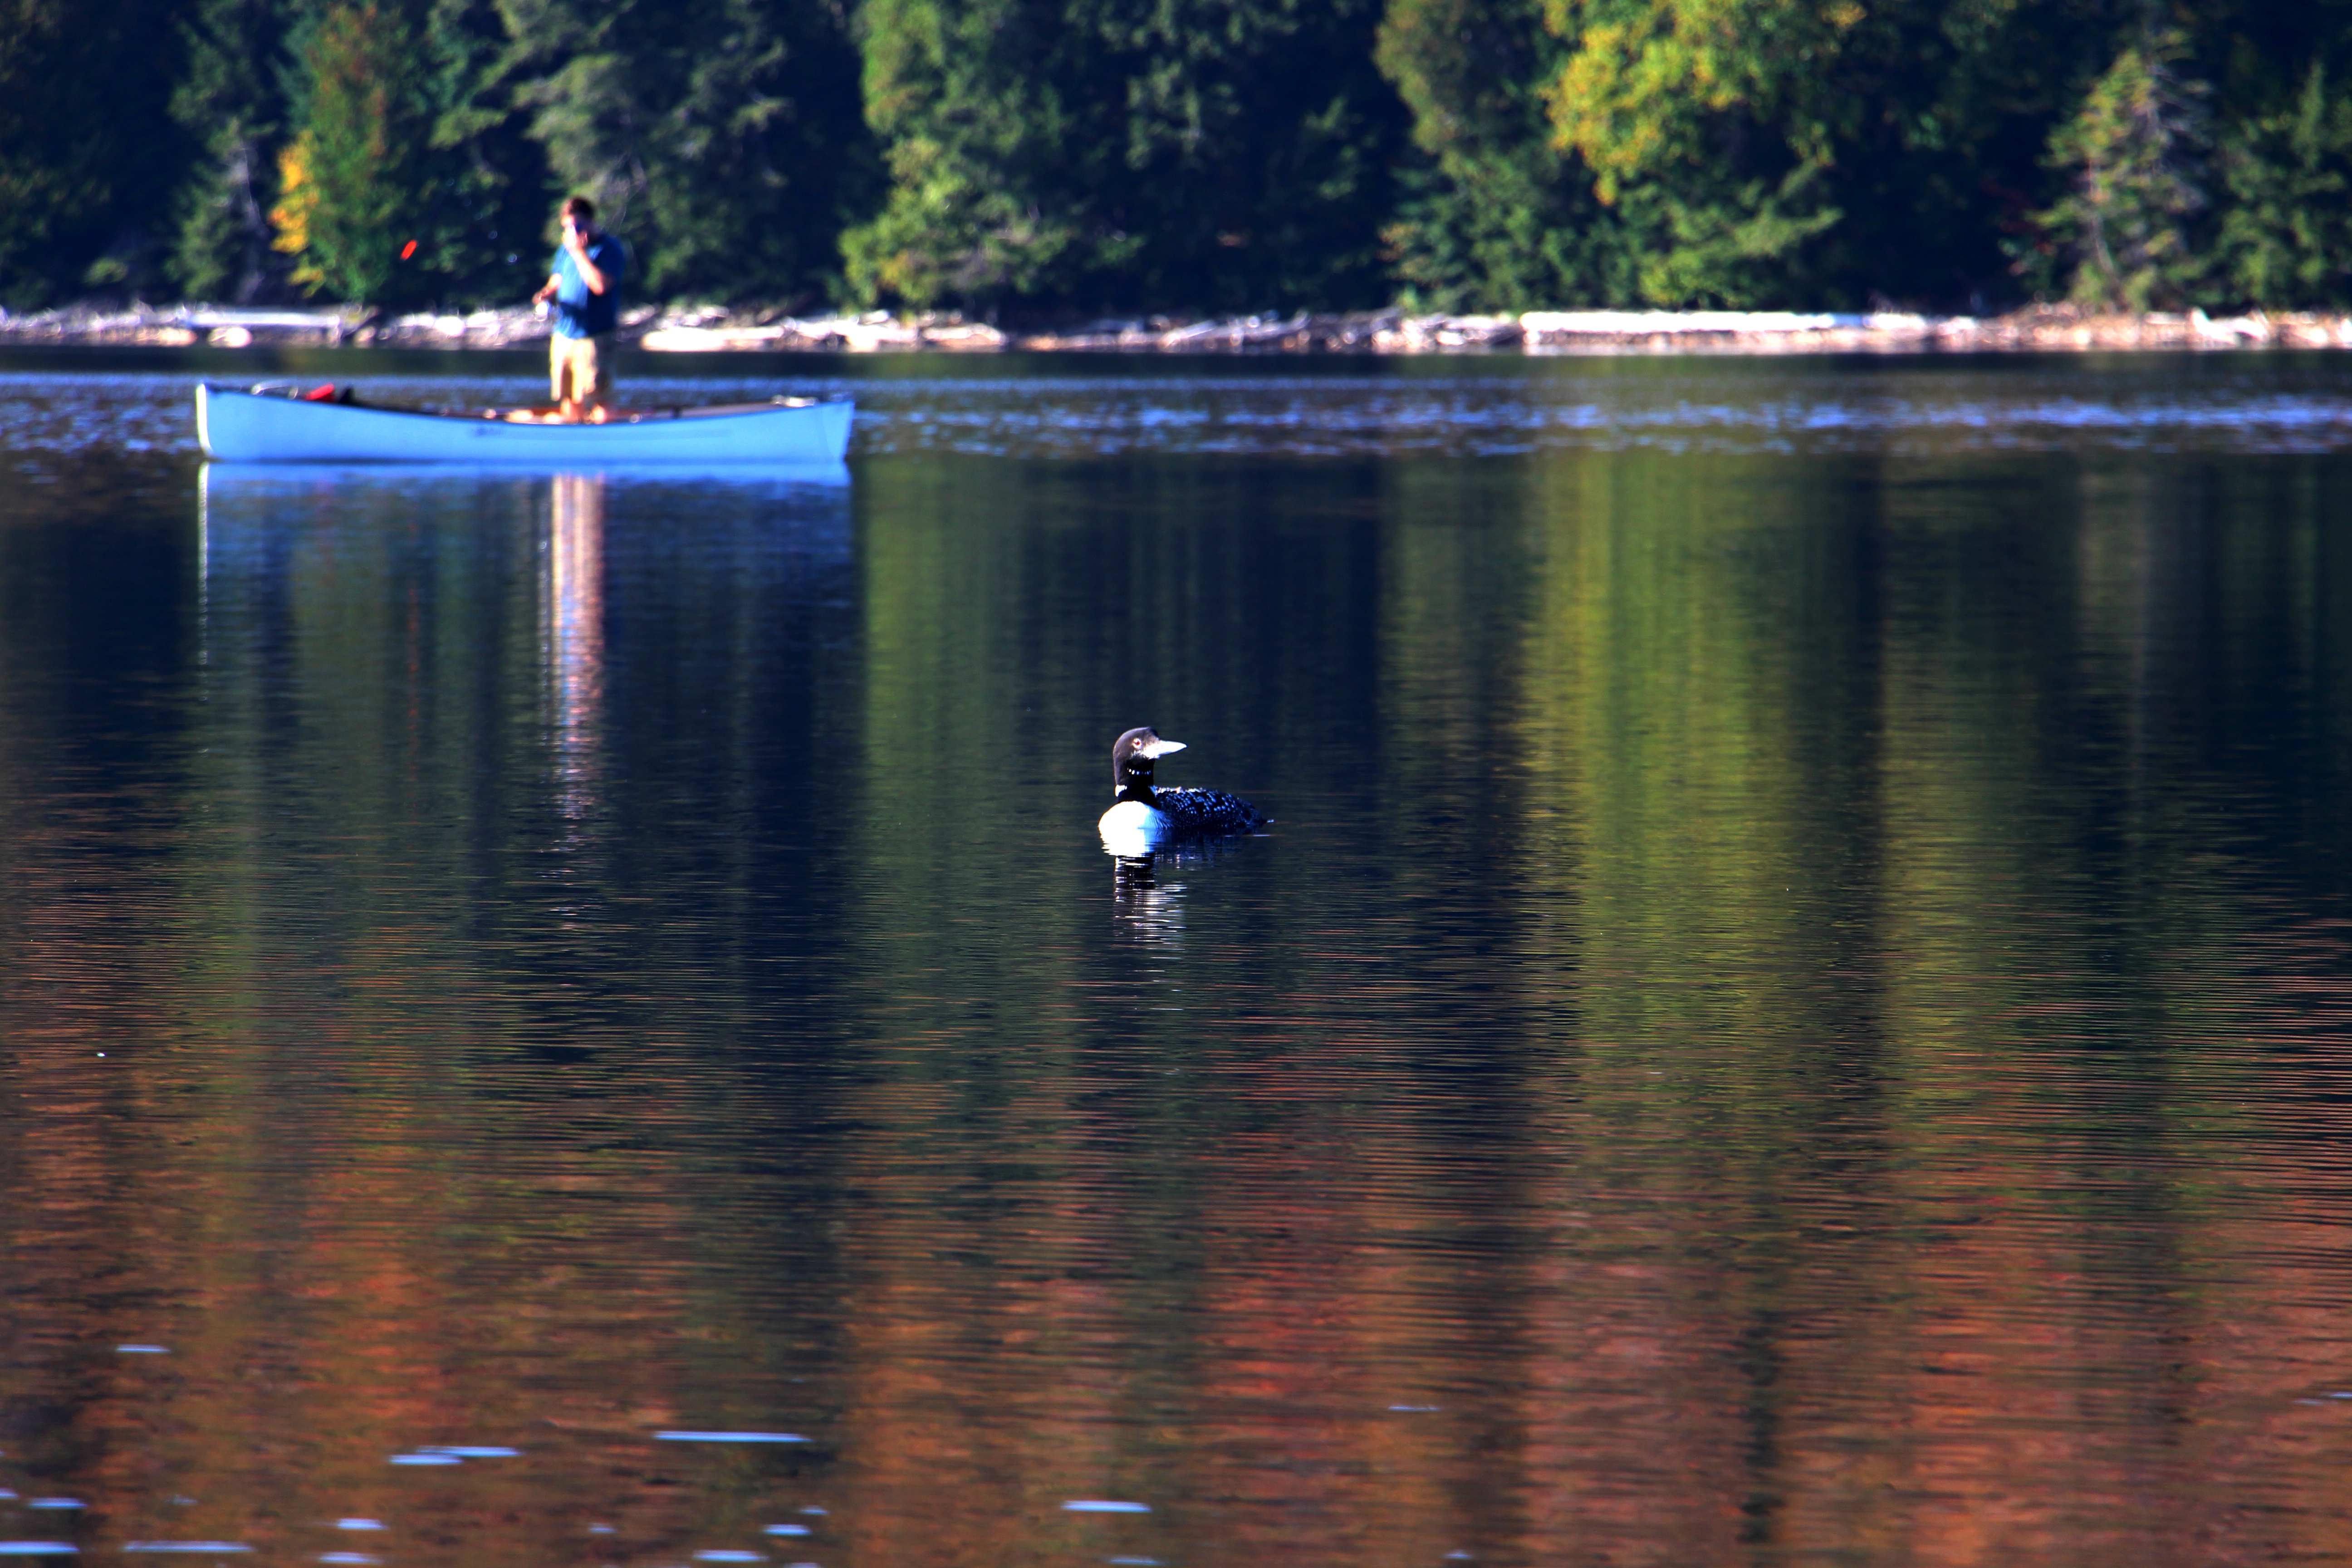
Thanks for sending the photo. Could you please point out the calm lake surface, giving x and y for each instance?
(1796, 1008)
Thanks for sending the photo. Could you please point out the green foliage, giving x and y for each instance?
(42, 186)
(2133, 155)
(1719, 118)
(720, 139)
(479, 227)
(230, 102)
(2286, 233)
(87, 154)
(991, 164)
(1063, 156)
(350, 182)
(1814, 152)
(1495, 216)
(410, 179)
(1117, 153)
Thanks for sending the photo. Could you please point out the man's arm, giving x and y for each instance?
(590, 273)
(549, 290)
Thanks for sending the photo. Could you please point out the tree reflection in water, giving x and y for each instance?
(1795, 1013)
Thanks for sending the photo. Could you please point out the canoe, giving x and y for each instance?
(269, 426)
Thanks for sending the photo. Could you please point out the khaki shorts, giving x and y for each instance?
(582, 366)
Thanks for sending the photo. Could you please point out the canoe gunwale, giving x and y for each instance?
(263, 426)
(651, 415)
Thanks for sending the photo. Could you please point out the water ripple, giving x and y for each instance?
(1502, 407)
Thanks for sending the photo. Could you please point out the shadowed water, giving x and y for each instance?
(1794, 1009)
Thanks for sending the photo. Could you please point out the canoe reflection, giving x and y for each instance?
(490, 595)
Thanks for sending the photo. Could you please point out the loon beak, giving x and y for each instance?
(1156, 747)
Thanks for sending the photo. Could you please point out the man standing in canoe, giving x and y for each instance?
(585, 284)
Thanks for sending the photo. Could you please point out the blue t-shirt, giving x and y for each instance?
(578, 313)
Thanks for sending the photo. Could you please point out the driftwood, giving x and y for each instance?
(1536, 331)
(1363, 333)
(2040, 327)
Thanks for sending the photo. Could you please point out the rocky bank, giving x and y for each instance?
(709, 330)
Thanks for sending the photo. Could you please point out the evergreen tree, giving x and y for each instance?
(993, 158)
(1225, 155)
(2286, 233)
(230, 102)
(87, 149)
(350, 180)
(1495, 216)
(1815, 152)
(484, 197)
(44, 187)
(2134, 156)
(1705, 123)
(410, 179)
(1179, 154)
(722, 139)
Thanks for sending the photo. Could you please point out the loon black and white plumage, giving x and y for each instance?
(1142, 818)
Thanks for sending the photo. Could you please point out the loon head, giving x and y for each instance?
(1130, 761)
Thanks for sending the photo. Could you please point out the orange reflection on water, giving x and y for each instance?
(573, 631)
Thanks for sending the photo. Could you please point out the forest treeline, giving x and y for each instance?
(1038, 157)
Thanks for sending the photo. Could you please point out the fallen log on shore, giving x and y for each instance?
(2040, 327)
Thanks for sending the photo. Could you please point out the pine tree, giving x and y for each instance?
(992, 165)
(348, 182)
(40, 191)
(231, 103)
(2284, 238)
(1705, 123)
(484, 195)
(410, 179)
(2133, 155)
(722, 139)
(1815, 152)
(1120, 154)
(87, 149)
(1495, 216)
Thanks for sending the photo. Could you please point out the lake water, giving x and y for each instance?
(1795, 1009)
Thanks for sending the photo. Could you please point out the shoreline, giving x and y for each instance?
(2043, 329)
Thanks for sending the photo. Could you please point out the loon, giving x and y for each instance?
(1143, 818)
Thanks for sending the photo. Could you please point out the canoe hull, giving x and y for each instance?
(246, 427)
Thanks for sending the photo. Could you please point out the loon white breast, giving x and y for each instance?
(1142, 818)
